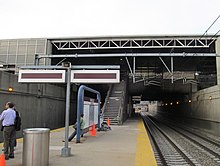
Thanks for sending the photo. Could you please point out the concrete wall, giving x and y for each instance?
(40, 105)
(206, 104)
(203, 112)
(205, 109)
(217, 50)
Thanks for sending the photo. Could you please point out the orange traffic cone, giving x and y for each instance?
(2, 160)
(93, 131)
(108, 122)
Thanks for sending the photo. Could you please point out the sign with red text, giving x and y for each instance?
(42, 76)
(95, 76)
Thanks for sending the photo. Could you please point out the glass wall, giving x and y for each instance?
(21, 52)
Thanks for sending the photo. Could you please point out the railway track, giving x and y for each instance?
(206, 144)
(175, 146)
(168, 152)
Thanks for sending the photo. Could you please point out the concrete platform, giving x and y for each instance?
(126, 145)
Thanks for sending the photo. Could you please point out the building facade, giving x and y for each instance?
(20, 52)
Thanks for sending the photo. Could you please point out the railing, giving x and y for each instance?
(119, 117)
(80, 107)
(106, 100)
(122, 103)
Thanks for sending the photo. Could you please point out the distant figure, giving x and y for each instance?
(82, 124)
(9, 134)
(104, 127)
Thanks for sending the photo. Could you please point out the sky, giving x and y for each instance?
(89, 18)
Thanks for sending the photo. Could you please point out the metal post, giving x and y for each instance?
(129, 66)
(36, 60)
(134, 70)
(66, 151)
(99, 101)
(171, 69)
(80, 107)
(165, 65)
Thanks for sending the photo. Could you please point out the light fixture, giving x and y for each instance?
(210, 97)
(10, 89)
(196, 73)
(190, 101)
(66, 64)
(177, 102)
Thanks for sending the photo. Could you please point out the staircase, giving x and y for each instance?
(114, 104)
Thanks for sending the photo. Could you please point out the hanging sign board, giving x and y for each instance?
(95, 76)
(42, 76)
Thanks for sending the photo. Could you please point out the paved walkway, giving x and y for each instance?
(125, 145)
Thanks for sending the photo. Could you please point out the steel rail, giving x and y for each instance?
(217, 155)
(161, 157)
(170, 140)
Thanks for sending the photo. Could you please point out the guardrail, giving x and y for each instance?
(80, 107)
(122, 104)
(106, 100)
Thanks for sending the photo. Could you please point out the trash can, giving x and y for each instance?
(36, 147)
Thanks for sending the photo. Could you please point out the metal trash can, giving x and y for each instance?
(36, 147)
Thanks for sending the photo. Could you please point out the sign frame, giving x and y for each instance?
(42, 76)
(95, 76)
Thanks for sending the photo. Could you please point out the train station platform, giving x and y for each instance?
(125, 145)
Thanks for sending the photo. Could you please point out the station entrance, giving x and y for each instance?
(158, 68)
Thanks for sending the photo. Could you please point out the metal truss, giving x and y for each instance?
(117, 43)
(148, 78)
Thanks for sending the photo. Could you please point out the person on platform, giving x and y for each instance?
(82, 124)
(9, 134)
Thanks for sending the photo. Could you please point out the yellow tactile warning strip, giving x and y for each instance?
(18, 140)
(57, 130)
(21, 139)
(144, 151)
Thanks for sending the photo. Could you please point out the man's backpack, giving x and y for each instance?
(17, 122)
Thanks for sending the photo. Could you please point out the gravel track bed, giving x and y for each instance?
(170, 153)
(199, 154)
(204, 156)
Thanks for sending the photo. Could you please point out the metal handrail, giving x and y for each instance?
(121, 107)
(106, 100)
(80, 107)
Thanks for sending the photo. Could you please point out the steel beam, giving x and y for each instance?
(129, 55)
(73, 67)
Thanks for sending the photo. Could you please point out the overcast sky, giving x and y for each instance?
(72, 18)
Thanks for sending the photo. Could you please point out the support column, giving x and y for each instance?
(66, 151)
(217, 50)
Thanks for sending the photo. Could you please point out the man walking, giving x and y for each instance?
(9, 134)
(82, 124)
